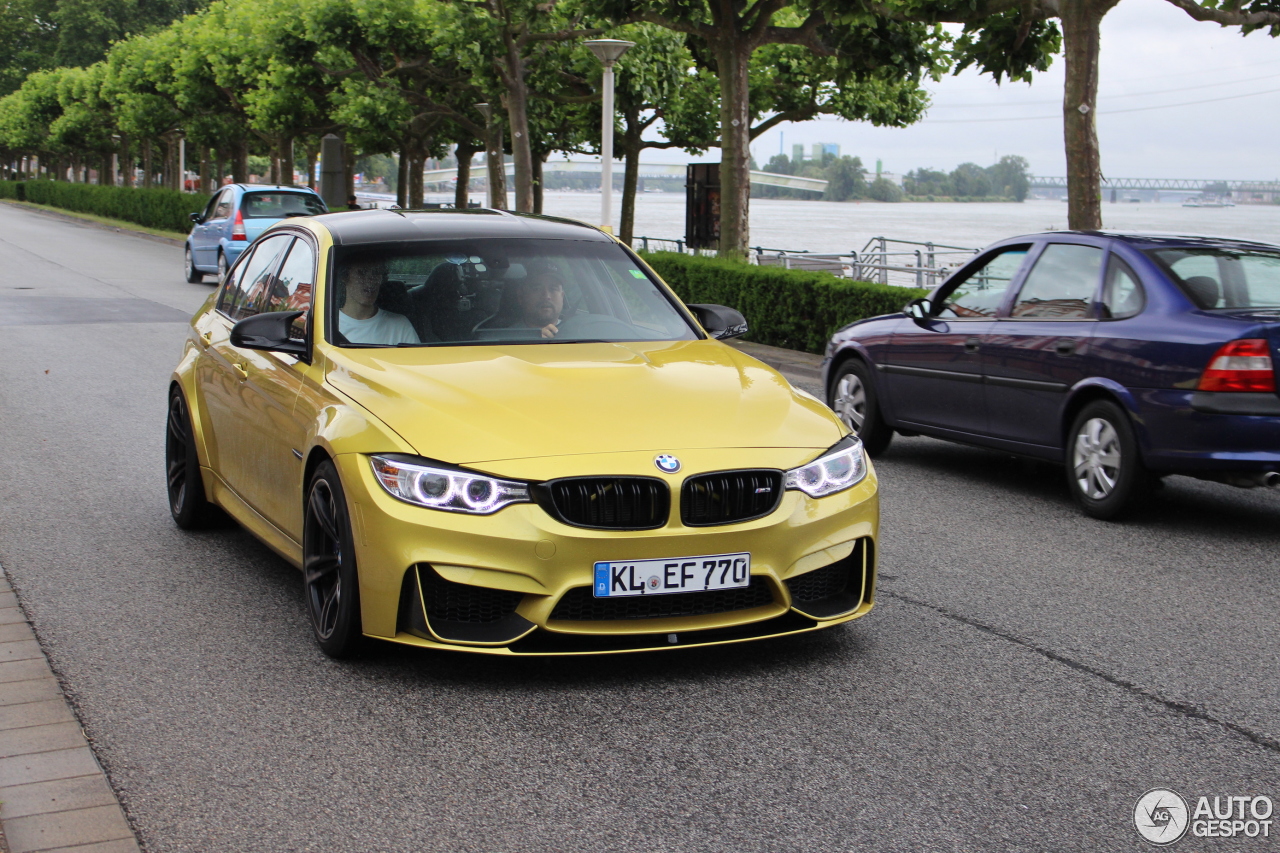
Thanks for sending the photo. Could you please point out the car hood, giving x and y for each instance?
(471, 405)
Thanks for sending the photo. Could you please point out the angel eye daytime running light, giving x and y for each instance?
(445, 489)
(834, 472)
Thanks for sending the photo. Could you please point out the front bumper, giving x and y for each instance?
(511, 569)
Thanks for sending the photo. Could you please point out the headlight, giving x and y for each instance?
(836, 470)
(418, 482)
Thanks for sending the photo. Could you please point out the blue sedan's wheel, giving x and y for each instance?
(853, 398)
(1104, 469)
(194, 276)
(222, 268)
(329, 565)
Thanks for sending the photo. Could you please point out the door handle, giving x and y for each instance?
(1065, 347)
(971, 344)
(239, 369)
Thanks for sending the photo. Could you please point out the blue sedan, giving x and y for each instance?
(1125, 357)
(234, 217)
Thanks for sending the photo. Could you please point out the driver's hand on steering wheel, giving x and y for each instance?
(551, 329)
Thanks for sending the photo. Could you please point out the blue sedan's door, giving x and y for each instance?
(204, 237)
(1039, 350)
(934, 366)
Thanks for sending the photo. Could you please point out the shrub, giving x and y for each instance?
(796, 309)
(166, 210)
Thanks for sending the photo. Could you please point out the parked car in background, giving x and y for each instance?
(1125, 356)
(234, 217)
(503, 434)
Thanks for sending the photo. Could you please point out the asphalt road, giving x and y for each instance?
(1027, 674)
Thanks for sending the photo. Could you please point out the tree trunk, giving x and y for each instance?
(286, 160)
(146, 163)
(462, 195)
(537, 183)
(497, 166)
(349, 168)
(631, 147)
(1080, 24)
(313, 156)
(735, 148)
(204, 170)
(402, 179)
(415, 181)
(240, 161)
(518, 115)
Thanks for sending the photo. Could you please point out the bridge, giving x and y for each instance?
(647, 170)
(1170, 184)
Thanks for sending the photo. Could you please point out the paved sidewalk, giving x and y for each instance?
(54, 796)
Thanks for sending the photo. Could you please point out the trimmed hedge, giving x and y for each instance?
(166, 210)
(795, 309)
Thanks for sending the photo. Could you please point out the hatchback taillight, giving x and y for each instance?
(237, 228)
(1240, 366)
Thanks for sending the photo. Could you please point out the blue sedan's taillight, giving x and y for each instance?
(1243, 365)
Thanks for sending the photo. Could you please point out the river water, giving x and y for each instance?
(825, 226)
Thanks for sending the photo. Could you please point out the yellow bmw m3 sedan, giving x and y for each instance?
(501, 433)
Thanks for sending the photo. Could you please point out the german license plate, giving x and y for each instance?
(678, 574)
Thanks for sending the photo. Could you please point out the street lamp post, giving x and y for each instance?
(608, 51)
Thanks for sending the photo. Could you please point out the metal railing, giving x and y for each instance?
(878, 261)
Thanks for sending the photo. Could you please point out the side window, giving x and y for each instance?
(1061, 285)
(980, 294)
(1122, 294)
(209, 208)
(223, 209)
(252, 279)
(292, 288)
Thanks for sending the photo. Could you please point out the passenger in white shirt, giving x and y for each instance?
(361, 321)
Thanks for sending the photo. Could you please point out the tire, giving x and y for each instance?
(185, 485)
(194, 276)
(330, 581)
(1104, 467)
(853, 398)
(222, 267)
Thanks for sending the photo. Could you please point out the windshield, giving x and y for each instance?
(496, 291)
(1225, 278)
(278, 205)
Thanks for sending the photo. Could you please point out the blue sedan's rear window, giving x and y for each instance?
(278, 205)
(1224, 278)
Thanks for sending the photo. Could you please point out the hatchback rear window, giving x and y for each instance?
(1225, 278)
(278, 205)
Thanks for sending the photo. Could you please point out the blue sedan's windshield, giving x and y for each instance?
(496, 291)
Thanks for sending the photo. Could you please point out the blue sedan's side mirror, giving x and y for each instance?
(197, 218)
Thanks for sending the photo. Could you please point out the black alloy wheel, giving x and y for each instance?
(1104, 468)
(187, 503)
(330, 582)
(222, 267)
(853, 398)
(194, 276)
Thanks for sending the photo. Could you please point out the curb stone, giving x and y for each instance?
(54, 795)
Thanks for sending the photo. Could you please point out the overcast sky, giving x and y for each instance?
(1152, 55)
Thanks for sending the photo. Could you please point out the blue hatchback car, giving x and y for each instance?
(1124, 356)
(234, 217)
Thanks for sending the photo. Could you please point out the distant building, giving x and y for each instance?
(797, 153)
(821, 148)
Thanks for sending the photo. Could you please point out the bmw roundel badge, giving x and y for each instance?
(667, 463)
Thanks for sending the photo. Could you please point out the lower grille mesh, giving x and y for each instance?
(447, 601)
(579, 605)
(821, 584)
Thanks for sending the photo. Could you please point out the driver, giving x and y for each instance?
(361, 321)
(540, 299)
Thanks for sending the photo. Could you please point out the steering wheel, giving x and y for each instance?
(596, 326)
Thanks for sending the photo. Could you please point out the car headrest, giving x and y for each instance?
(1204, 290)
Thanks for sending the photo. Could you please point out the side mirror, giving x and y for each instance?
(719, 321)
(918, 309)
(269, 331)
(197, 218)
